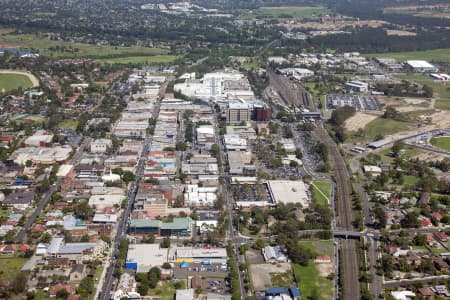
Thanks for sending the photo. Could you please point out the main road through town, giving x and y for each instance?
(105, 285)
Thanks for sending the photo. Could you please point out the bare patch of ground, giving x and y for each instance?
(441, 119)
(254, 257)
(400, 32)
(261, 274)
(359, 120)
(325, 269)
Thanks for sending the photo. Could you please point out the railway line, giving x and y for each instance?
(350, 267)
(291, 93)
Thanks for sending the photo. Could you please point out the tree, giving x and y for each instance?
(19, 283)
(28, 163)
(83, 211)
(62, 294)
(128, 176)
(166, 242)
(390, 113)
(118, 171)
(259, 244)
(215, 150)
(166, 266)
(181, 146)
(339, 115)
(420, 239)
(154, 275)
(396, 148)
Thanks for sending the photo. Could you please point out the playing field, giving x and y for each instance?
(442, 142)
(431, 55)
(296, 12)
(9, 82)
(381, 126)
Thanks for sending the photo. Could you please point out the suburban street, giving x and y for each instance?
(47, 196)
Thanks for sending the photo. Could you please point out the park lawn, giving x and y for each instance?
(319, 247)
(381, 126)
(41, 43)
(410, 180)
(296, 12)
(9, 82)
(153, 59)
(310, 280)
(441, 90)
(319, 189)
(432, 55)
(10, 266)
(36, 118)
(442, 104)
(68, 124)
(442, 142)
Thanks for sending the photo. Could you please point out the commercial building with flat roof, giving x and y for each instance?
(288, 191)
(177, 227)
(147, 256)
(421, 66)
(238, 112)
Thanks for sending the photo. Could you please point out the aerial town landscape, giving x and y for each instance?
(234, 150)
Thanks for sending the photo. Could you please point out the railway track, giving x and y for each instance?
(294, 95)
(350, 269)
(291, 93)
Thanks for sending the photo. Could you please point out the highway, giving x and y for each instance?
(47, 196)
(107, 286)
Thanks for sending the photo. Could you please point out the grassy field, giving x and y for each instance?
(252, 63)
(166, 291)
(320, 189)
(310, 280)
(154, 59)
(442, 91)
(296, 12)
(384, 127)
(68, 124)
(410, 180)
(442, 142)
(114, 54)
(442, 104)
(10, 266)
(319, 247)
(9, 82)
(432, 55)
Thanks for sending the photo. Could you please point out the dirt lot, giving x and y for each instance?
(325, 269)
(261, 274)
(254, 257)
(359, 120)
(400, 33)
(441, 119)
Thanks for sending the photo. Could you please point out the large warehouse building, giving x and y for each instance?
(421, 66)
